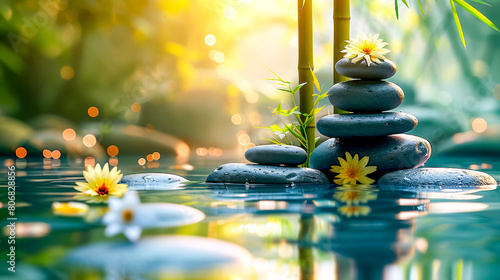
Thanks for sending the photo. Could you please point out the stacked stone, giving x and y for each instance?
(369, 130)
(274, 164)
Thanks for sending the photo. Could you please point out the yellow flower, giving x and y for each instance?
(366, 47)
(355, 194)
(352, 170)
(350, 211)
(102, 182)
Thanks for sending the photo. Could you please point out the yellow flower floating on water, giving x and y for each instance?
(352, 170)
(70, 209)
(355, 194)
(102, 182)
(366, 47)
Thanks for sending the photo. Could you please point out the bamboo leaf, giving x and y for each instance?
(316, 140)
(274, 74)
(285, 90)
(476, 13)
(406, 4)
(316, 83)
(421, 10)
(457, 22)
(303, 3)
(295, 89)
(481, 2)
(396, 8)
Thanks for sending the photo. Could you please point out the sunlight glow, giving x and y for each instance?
(89, 140)
(69, 134)
(479, 125)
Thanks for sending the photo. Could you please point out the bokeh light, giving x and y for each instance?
(47, 153)
(89, 140)
(21, 152)
(156, 156)
(141, 161)
(113, 151)
(56, 154)
(67, 72)
(69, 134)
(201, 152)
(136, 107)
(93, 112)
(210, 40)
(89, 161)
(236, 119)
(479, 125)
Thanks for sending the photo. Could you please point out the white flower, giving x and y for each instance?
(125, 216)
(367, 47)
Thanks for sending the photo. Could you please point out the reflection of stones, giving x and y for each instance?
(276, 155)
(381, 124)
(387, 153)
(361, 70)
(437, 177)
(265, 174)
(366, 96)
(152, 181)
(187, 254)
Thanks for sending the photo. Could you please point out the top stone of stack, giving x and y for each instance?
(361, 70)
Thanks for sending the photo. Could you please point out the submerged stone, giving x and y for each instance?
(366, 96)
(276, 155)
(393, 152)
(152, 181)
(425, 177)
(382, 124)
(265, 174)
(361, 70)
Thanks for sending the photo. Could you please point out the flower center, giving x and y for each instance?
(127, 216)
(103, 190)
(352, 172)
(367, 48)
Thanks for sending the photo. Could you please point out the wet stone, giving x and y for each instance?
(265, 174)
(435, 177)
(366, 96)
(152, 181)
(389, 153)
(361, 70)
(276, 155)
(381, 124)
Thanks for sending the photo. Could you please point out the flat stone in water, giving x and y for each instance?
(436, 177)
(361, 70)
(155, 254)
(390, 153)
(265, 174)
(276, 155)
(382, 124)
(366, 96)
(152, 181)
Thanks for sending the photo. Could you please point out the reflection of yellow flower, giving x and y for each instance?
(70, 209)
(352, 170)
(355, 194)
(349, 210)
(366, 47)
(102, 182)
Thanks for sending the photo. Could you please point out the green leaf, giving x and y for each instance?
(481, 2)
(421, 10)
(476, 13)
(273, 141)
(396, 8)
(457, 22)
(274, 74)
(404, 2)
(316, 140)
(285, 90)
(295, 89)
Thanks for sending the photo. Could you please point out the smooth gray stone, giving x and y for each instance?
(361, 70)
(152, 181)
(382, 124)
(276, 155)
(366, 96)
(265, 174)
(159, 254)
(435, 177)
(389, 153)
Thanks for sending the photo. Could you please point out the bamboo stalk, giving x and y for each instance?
(341, 21)
(305, 66)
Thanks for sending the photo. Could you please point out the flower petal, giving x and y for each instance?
(133, 233)
(113, 229)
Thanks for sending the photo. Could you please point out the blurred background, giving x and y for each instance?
(98, 78)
